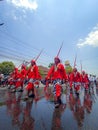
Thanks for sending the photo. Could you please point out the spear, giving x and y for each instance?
(21, 64)
(75, 61)
(81, 66)
(59, 49)
(26, 63)
(38, 55)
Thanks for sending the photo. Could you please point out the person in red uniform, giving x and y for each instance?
(85, 80)
(76, 80)
(10, 80)
(33, 76)
(70, 75)
(23, 73)
(58, 74)
(13, 79)
(19, 78)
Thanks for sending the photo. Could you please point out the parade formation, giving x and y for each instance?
(28, 80)
(40, 87)
(25, 86)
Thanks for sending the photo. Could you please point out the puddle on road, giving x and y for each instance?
(77, 113)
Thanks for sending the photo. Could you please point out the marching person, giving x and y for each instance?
(33, 76)
(23, 73)
(19, 78)
(57, 74)
(85, 80)
(76, 80)
(14, 79)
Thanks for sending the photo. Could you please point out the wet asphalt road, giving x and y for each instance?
(76, 113)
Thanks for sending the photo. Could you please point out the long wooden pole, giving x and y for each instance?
(59, 49)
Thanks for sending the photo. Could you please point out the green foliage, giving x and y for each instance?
(50, 65)
(6, 67)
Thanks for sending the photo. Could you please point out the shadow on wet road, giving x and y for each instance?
(76, 112)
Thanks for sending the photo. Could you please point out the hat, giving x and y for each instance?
(33, 62)
(57, 58)
(75, 69)
(83, 72)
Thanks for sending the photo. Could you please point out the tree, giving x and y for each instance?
(6, 67)
(50, 65)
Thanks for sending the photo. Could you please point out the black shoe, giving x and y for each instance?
(59, 100)
(57, 105)
(77, 94)
(32, 96)
(71, 90)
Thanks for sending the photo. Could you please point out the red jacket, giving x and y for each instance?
(84, 78)
(33, 72)
(75, 77)
(57, 72)
(23, 73)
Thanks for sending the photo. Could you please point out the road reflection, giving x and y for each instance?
(40, 113)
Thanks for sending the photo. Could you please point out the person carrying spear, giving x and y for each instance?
(33, 77)
(18, 77)
(58, 74)
(75, 79)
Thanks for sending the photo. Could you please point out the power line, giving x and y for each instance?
(11, 57)
(21, 45)
(19, 42)
(17, 54)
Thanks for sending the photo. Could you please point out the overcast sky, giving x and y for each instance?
(32, 25)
